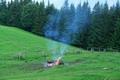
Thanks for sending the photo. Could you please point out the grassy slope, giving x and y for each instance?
(83, 66)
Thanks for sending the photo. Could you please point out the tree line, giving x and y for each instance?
(98, 27)
(25, 14)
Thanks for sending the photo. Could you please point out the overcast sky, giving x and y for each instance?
(59, 3)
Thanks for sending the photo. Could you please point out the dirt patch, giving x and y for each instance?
(31, 66)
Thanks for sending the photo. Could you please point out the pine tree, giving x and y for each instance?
(3, 12)
(94, 39)
(83, 16)
(28, 16)
(40, 18)
(14, 9)
(116, 35)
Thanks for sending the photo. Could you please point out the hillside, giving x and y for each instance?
(15, 41)
(22, 55)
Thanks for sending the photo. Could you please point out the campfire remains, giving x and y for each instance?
(54, 63)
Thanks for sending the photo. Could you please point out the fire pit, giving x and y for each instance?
(54, 63)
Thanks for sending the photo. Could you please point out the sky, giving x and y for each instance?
(59, 3)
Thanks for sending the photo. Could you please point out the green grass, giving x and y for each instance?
(79, 64)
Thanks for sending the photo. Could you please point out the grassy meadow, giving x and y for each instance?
(23, 54)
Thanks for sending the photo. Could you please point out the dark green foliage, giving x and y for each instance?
(103, 25)
(28, 16)
(41, 17)
(116, 35)
(3, 12)
(83, 15)
(14, 13)
(25, 14)
(99, 28)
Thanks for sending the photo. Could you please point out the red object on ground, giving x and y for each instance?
(54, 63)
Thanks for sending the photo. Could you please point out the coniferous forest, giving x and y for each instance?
(98, 27)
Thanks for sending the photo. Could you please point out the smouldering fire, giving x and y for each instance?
(54, 63)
